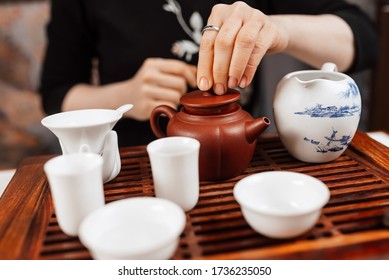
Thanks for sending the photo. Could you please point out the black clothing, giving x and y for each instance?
(122, 34)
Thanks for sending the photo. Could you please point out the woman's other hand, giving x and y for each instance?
(158, 82)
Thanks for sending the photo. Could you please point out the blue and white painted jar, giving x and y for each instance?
(316, 113)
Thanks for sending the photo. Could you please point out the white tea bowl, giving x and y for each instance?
(281, 204)
(90, 130)
(133, 228)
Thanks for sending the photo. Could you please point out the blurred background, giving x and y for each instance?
(22, 45)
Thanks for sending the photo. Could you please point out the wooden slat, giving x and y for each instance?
(351, 222)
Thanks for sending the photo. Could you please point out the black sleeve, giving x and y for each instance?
(68, 55)
(364, 30)
(365, 40)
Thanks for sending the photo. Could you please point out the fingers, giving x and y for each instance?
(206, 54)
(145, 109)
(181, 69)
(154, 92)
(159, 81)
(189, 73)
(243, 54)
(175, 68)
(150, 96)
(262, 44)
(230, 41)
(230, 57)
(224, 47)
(205, 63)
(168, 81)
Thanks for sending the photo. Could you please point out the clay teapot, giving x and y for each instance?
(227, 134)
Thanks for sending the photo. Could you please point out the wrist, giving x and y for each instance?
(283, 40)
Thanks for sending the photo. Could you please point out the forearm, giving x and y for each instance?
(85, 96)
(318, 39)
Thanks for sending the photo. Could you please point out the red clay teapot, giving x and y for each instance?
(227, 134)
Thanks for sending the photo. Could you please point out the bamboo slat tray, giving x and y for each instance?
(351, 227)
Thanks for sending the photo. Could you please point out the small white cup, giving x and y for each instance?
(175, 168)
(76, 186)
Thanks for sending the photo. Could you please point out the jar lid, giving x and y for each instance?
(206, 99)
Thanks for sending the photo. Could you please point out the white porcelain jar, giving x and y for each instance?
(316, 113)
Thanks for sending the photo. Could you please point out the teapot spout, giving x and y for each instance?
(255, 127)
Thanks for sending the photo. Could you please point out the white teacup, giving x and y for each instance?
(90, 131)
(140, 228)
(281, 204)
(175, 168)
(76, 186)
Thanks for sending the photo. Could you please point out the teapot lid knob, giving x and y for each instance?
(329, 67)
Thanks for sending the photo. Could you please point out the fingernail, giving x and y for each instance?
(232, 82)
(203, 84)
(243, 82)
(219, 89)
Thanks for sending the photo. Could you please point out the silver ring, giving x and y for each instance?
(210, 27)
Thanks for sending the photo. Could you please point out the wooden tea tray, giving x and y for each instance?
(351, 226)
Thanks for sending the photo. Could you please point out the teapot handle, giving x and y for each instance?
(162, 110)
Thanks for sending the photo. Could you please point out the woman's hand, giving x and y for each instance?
(158, 81)
(230, 57)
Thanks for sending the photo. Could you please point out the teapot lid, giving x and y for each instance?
(207, 99)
